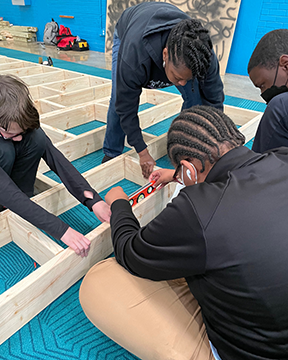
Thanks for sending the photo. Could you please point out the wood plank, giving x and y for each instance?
(58, 200)
(238, 115)
(23, 71)
(107, 174)
(6, 60)
(101, 110)
(157, 97)
(79, 146)
(23, 301)
(45, 92)
(133, 171)
(46, 106)
(70, 117)
(32, 69)
(57, 135)
(43, 183)
(96, 80)
(71, 84)
(83, 144)
(250, 128)
(158, 147)
(5, 235)
(12, 65)
(31, 240)
(41, 78)
(82, 96)
(160, 112)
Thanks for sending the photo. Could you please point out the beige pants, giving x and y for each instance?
(151, 319)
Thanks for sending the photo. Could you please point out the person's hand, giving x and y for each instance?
(161, 177)
(102, 211)
(76, 241)
(146, 162)
(115, 194)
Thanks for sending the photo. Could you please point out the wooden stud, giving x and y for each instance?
(72, 100)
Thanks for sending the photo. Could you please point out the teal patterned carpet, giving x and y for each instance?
(62, 331)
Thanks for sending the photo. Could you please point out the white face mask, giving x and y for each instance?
(188, 173)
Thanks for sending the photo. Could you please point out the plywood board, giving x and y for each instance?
(218, 16)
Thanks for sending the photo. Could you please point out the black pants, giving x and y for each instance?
(20, 159)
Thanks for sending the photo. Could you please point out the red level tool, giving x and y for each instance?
(141, 193)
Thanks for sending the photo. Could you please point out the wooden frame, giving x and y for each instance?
(73, 100)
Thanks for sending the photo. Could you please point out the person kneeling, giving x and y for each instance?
(212, 266)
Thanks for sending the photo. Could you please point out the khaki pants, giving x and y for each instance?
(153, 320)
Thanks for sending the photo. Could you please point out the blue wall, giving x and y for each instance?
(255, 19)
(89, 17)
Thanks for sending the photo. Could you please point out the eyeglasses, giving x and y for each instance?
(181, 180)
(2, 130)
(176, 175)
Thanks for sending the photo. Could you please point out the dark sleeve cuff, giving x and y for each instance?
(140, 146)
(90, 202)
(121, 205)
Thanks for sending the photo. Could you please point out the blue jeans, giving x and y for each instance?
(214, 352)
(190, 97)
(114, 136)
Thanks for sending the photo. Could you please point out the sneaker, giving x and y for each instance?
(106, 158)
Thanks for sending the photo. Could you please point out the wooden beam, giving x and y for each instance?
(157, 97)
(250, 128)
(10, 66)
(133, 171)
(240, 116)
(23, 301)
(46, 106)
(31, 240)
(57, 135)
(5, 235)
(43, 183)
(70, 117)
(160, 112)
(82, 96)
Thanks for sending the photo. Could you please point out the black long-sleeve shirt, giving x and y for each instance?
(272, 131)
(228, 237)
(18, 202)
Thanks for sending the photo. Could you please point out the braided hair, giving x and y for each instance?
(199, 133)
(190, 44)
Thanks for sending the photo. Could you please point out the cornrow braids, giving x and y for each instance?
(199, 133)
(190, 44)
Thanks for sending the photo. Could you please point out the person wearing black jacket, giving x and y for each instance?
(225, 233)
(156, 45)
(22, 145)
(268, 70)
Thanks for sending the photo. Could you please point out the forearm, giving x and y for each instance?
(14, 199)
(75, 183)
(168, 247)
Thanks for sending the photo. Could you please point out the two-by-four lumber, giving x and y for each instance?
(31, 240)
(26, 299)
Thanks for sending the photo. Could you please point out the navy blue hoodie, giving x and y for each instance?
(143, 30)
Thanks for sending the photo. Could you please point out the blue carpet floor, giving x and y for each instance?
(62, 331)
